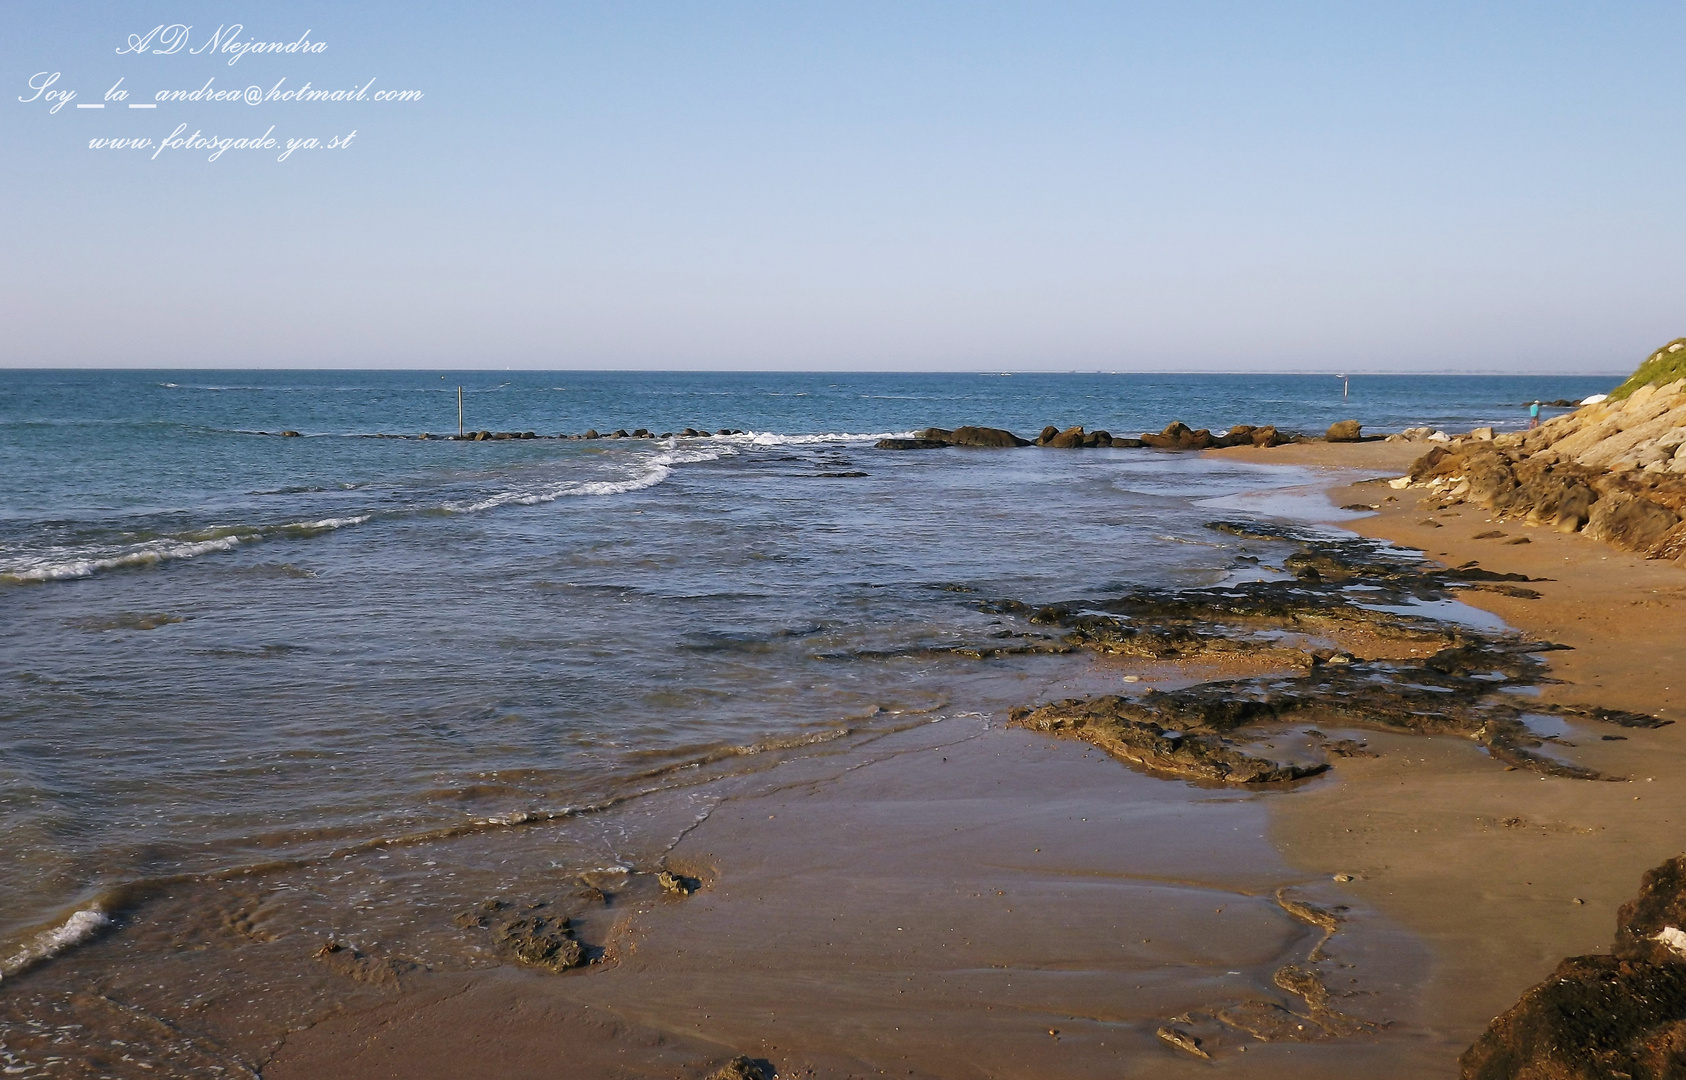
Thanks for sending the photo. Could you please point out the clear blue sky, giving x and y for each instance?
(1169, 186)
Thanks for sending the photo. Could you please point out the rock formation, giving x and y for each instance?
(1616, 469)
(1604, 1017)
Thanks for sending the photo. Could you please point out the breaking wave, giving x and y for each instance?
(649, 473)
(81, 926)
(65, 566)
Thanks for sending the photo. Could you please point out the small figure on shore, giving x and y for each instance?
(1534, 415)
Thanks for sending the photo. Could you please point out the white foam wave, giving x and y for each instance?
(651, 471)
(81, 926)
(61, 566)
(770, 438)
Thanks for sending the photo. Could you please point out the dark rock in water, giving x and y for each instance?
(532, 935)
(289, 434)
(1177, 436)
(1268, 436)
(1068, 439)
(592, 434)
(641, 433)
(1100, 439)
(1133, 444)
(677, 884)
(937, 433)
(1343, 431)
(689, 433)
(528, 435)
(1603, 1017)
(724, 431)
(619, 433)
(911, 444)
(1628, 521)
(1047, 435)
(985, 436)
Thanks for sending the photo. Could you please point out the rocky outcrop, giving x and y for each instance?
(1345, 431)
(1616, 469)
(1418, 676)
(1616, 1017)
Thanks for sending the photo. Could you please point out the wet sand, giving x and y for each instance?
(1506, 873)
(970, 901)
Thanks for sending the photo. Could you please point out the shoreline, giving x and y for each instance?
(1506, 875)
(1497, 873)
(1462, 881)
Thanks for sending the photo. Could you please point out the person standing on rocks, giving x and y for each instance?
(1534, 416)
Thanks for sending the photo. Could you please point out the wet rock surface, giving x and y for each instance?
(1617, 1017)
(536, 935)
(1411, 673)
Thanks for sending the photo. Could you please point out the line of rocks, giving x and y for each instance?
(500, 436)
(1176, 436)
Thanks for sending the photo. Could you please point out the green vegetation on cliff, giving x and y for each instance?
(1663, 366)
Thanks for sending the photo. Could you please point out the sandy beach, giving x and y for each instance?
(947, 901)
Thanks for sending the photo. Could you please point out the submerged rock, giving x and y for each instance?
(533, 935)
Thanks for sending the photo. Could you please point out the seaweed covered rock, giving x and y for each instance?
(1619, 1017)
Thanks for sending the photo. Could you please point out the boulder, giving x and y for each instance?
(1068, 439)
(985, 436)
(1268, 436)
(911, 444)
(1630, 522)
(1177, 436)
(1603, 1017)
(1343, 431)
(1047, 435)
(1485, 434)
(289, 434)
(592, 434)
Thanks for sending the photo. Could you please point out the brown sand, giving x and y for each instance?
(951, 904)
(1489, 865)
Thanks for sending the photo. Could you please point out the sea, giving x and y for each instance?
(371, 681)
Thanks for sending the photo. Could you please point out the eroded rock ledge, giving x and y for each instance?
(1346, 660)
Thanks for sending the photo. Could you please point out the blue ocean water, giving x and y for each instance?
(367, 662)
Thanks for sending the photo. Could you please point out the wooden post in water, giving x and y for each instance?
(459, 412)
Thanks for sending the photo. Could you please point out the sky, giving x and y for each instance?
(852, 186)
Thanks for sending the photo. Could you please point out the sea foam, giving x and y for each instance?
(81, 926)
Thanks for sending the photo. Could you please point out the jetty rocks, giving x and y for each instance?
(1176, 436)
(1596, 1017)
(1615, 470)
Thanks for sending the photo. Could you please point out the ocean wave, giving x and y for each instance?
(66, 566)
(771, 438)
(650, 472)
(81, 926)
